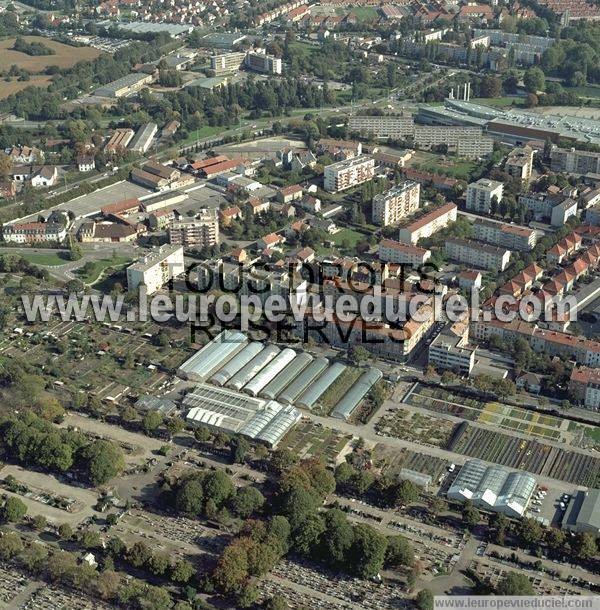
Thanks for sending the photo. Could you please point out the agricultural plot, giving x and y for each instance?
(530, 455)
(65, 56)
(391, 461)
(492, 414)
(415, 427)
(306, 440)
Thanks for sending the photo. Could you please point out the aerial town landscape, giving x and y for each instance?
(299, 303)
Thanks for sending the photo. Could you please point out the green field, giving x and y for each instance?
(353, 237)
(92, 271)
(454, 167)
(591, 91)
(500, 102)
(44, 259)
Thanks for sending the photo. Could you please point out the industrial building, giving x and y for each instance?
(397, 203)
(223, 40)
(119, 140)
(125, 85)
(493, 488)
(230, 411)
(583, 513)
(143, 138)
(156, 269)
(346, 174)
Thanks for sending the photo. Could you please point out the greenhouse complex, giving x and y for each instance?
(253, 388)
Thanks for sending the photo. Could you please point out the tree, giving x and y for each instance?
(530, 531)
(10, 545)
(307, 534)
(231, 570)
(107, 584)
(277, 602)
(39, 522)
(65, 531)
(190, 496)
(515, 583)
(158, 564)
(13, 510)
(534, 80)
(246, 501)
(175, 425)
(103, 460)
(298, 504)
(239, 449)
(470, 515)
(337, 537)
(367, 552)
(139, 554)
(425, 599)
(202, 434)
(182, 572)
(218, 487)
(399, 552)
(151, 422)
(584, 546)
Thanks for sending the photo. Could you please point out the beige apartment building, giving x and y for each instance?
(346, 174)
(199, 231)
(429, 224)
(397, 203)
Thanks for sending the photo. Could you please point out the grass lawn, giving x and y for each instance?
(364, 13)
(204, 132)
(592, 91)
(44, 259)
(92, 270)
(500, 102)
(352, 236)
(454, 167)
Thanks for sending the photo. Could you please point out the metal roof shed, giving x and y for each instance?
(240, 360)
(318, 388)
(308, 375)
(212, 356)
(345, 407)
(289, 373)
(270, 371)
(248, 372)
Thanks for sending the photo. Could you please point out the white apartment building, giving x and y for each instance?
(429, 224)
(226, 62)
(574, 161)
(558, 208)
(477, 254)
(396, 127)
(261, 62)
(480, 194)
(451, 352)
(199, 232)
(395, 204)
(512, 237)
(520, 163)
(391, 251)
(346, 174)
(156, 269)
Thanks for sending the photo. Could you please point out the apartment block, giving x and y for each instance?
(224, 63)
(477, 254)
(512, 237)
(391, 251)
(396, 127)
(261, 62)
(346, 174)
(556, 207)
(574, 161)
(592, 216)
(33, 232)
(395, 204)
(584, 386)
(481, 193)
(429, 224)
(468, 142)
(450, 351)
(520, 163)
(156, 268)
(198, 232)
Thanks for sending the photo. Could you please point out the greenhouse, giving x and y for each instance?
(270, 372)
(241, 359)
(245, 374)
(289, 373)
(303, 381)
(345, 407)
(318, 388)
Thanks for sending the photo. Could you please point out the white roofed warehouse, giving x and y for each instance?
(493, 488)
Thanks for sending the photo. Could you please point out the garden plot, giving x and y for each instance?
(306, 440)
(415, 427)
(392, 460)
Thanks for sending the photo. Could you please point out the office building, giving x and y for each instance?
(574, 161)
(512, 237)
(397, 203)
(481, 193)
(391, 251)
(143, 137)
(201, 231)
(156, 268)
(583, 513)
(346, 174)
(477, 254)
(428, 224)
(396, 127)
